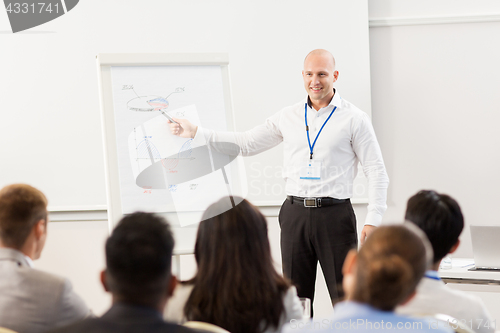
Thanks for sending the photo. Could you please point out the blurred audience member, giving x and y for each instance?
(382, 275)
(441, 219)
(31, 301)
(236, 286)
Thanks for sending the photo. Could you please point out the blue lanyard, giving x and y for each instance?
(432, 276)
(307, 130)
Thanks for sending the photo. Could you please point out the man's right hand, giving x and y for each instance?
(184, 128)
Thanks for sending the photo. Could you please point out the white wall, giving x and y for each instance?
(75, 249)
(430, 8)
(436, 106)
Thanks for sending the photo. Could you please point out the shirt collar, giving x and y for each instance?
(335, 101)
(29, 261)
(14, 255)
(351, 307)
(432, 275)
(132, 312)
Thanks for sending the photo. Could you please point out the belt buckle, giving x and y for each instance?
(310, 202)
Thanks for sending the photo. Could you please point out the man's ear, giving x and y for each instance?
(172, 284)
(349, 270)
(350, 262)
(409, 298)
(40, 229)
(455, 247)
(104, 280)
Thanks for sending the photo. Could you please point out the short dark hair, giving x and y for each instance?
(21, 207)
(439, 216)
(139, 258)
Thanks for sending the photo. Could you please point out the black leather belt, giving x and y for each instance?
(315, 202)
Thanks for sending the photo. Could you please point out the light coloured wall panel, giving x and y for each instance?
(76, 250)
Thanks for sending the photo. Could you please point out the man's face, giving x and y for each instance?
(319, 75)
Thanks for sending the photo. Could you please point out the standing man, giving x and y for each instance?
(324, 138)
(31, 301)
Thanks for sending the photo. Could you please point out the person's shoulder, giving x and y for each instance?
(174, 309)
(434, 297)
(177, 328)
(55, 291)
(92, 324)
(436, 291)
(184, 287)
(290, 295)
(35, 278)
(43, 277)
(471, 302)
(98, 325)
(291, 291)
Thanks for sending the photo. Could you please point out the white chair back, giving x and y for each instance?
(453, 323)
(6, 330)
(204, 327)
(444, 320)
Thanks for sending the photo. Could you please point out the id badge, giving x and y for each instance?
(311, 170)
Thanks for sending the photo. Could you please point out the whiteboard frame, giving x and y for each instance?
(104, 63)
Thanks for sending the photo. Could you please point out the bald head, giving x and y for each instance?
(321, 53)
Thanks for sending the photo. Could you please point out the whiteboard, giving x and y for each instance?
(148, 168)
(50, 125)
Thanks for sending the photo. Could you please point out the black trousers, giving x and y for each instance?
(311, 234)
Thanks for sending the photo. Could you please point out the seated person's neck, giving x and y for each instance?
(435, 266)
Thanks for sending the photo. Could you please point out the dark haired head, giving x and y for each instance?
(21, 207)
(389, 266)
(439, 216)
(236, 286)
(138, 259)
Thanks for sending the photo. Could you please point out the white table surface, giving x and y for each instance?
(460, 273)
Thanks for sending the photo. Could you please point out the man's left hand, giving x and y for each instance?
(366, 232)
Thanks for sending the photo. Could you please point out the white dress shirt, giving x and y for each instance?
(435, 297)
(29, 261)
(346, 139)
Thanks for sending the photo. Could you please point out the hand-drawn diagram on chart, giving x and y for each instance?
(161, 161)
(151, 103)
(151, 143)
(158, 171)
(143, 140)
